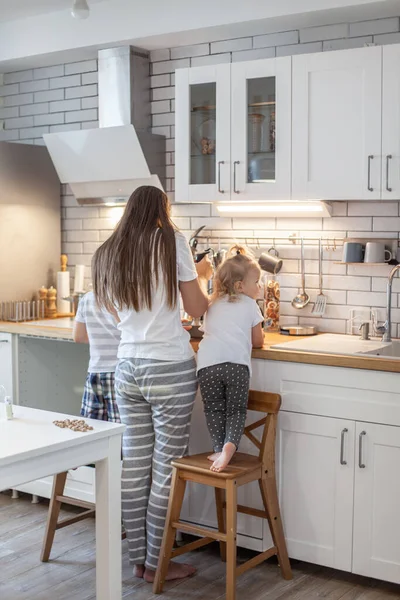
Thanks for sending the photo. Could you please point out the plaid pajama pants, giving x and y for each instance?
(98, 401)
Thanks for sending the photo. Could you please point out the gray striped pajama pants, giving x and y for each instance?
(155, 400)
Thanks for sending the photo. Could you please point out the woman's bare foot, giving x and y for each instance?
(138, 571)
(214, 456)
(225, 457)
(175, 571)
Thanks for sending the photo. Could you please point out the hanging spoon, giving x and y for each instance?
(302, 299)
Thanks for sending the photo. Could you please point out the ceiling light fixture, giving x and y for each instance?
(80, 9)
(276, 209)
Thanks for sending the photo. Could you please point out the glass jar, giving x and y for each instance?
(272, 295)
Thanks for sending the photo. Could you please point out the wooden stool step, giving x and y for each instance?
(243, 469)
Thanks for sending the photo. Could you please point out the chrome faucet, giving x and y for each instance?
(386, 328)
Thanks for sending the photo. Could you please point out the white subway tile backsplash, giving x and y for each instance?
(348, 224)
(88, 78)
(82, 91)
(387, 38)
(9, 135)
(9, 113)
(81, 115)
(325, 32)
(91, 247)
(348, 43)
(190, 210)
(50, 119)
(164, 130)
(212, 223)
(18, 76)
(81, 67)
(90, 125)
(163, 119)
(83, 236)
(18, 100)
(34, 86)
(46, 72)
(276, 39)
(64, 105)
(161, 106)
(253, 54)
(169, 66)
(160, 80)
(68, 127)
(374, 209)
(34, 109)
(18, 122)
(33, 132)
(91, 102)
(386, 224)
(159, 55)
(249, 223)
(328, 325)
(9, 90)
(374, 27)
(64, 82)
(235, 45)
(304, 224)
(212, 59)
(73, 248)
(49, 96)
(82, 212)
(98, 224)
(163, 93)
(372, 299)
(189, 51)
(299, 49)
(379, 284)
(71, 224)
(335, 282)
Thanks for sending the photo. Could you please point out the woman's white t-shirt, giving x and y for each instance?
(158, 334)
(227, 332)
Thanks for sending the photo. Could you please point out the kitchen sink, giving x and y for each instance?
(387, 350)
(350, 345)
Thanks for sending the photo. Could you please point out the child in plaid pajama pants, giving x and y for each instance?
(98, 328)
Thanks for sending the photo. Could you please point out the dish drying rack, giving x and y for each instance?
(19, 311)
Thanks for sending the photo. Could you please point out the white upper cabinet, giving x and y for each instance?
(261, 129)
(336, 125)
(202, 144)
(391, 123)
(233, 132)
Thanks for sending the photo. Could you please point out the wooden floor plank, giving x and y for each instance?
(71, 572)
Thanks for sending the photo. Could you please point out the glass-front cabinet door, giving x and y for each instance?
(202, 144)
(261, 130)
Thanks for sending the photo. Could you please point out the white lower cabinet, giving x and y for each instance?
(376, 549)
(7, 342)
(316, 477)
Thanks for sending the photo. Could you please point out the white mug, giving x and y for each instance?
(375, 252)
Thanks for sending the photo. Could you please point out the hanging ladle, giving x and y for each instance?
(302, 299)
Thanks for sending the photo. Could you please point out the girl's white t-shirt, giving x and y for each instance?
(158, 334)
(227, 332)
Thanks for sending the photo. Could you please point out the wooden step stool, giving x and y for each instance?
(244, 468)
(58, 498)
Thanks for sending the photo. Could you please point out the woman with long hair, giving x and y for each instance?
(139, 274)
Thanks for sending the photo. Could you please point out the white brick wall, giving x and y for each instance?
(31, 99)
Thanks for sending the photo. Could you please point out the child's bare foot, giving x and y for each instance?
(225, 458)
(175, 571)
(138, 571)
(214, 456)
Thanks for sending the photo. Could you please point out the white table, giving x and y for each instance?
(31, 446)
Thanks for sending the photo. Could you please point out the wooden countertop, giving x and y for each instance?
(370, 363)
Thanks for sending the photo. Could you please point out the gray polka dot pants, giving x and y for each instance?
(225, 389)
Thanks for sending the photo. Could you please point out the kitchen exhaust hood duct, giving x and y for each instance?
(105, 165)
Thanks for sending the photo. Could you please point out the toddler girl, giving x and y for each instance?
(232, 326)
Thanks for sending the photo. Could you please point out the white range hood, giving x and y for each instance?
(105, 165)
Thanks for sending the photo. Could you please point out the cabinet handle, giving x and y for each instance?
(237, 162)
(388, 158)
(3, 341)
(221, 162)
(360, 442)
(342, 461)
(370, 157)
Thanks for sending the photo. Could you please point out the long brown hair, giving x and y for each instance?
(127, 267)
